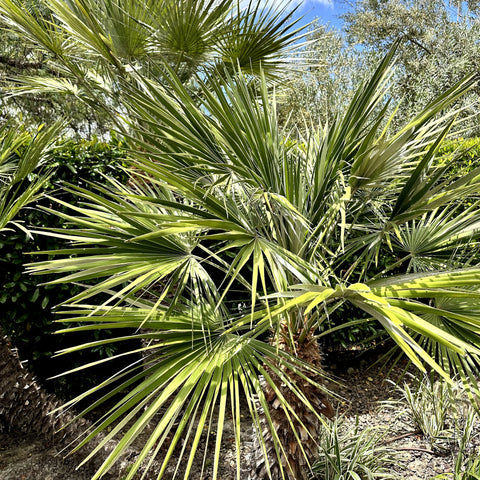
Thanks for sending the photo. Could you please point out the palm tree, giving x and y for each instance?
(235, 240)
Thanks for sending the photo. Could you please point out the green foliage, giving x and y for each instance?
(336, 333)
(190, 36)
(467, 461)
(21, 153)
(462, 155)
(447, 418)
(225, 202)
(219, 199)
(441, 411)
(83, 161)
(323, 84)
(432, 240)
(21, 58)
(349, 452)
(440, 47)
(28, 304)
(431, 404)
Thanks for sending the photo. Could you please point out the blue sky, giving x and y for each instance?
(326, 10)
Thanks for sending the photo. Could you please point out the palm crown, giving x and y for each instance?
(235, 230)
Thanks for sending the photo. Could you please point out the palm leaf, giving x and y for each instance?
(191, 370)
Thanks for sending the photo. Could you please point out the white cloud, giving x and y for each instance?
(325, 3)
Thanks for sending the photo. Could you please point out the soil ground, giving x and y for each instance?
(362, 392)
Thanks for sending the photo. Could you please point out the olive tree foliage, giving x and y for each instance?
(440, 46)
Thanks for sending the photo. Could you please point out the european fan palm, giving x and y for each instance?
(233, 242)
(92, 43)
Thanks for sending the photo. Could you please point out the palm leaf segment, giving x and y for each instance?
(237, 230)
(20, 154)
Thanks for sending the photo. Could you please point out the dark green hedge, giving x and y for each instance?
(26, 305)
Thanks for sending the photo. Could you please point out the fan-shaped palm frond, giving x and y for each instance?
(113, 38)
(192, 372)
(440, 239)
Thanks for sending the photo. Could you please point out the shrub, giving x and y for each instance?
(27, 304)
(463, 153)
(352, 453)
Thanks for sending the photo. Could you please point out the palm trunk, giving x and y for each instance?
(26, 407)
(293, 460)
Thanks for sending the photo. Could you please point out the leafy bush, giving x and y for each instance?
(27, 304)
(463, 153)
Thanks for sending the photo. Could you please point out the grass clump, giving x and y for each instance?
(438, 410)
(349, 452)
(467, 457)
(447, 419)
